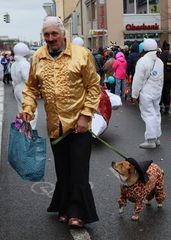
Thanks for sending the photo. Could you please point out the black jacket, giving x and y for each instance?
(164, 57)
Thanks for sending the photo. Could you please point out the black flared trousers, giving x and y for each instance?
(73, 195)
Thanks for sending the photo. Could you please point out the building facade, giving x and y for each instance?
(140, 18)
(101, 22)
(7, 43)
(66, 9)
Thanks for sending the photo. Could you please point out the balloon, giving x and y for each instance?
(111, 79)
(141, 47)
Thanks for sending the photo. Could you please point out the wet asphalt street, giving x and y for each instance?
(23, 204)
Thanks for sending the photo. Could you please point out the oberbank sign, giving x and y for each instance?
(132, 27)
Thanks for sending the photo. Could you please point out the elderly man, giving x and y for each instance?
(65, 76)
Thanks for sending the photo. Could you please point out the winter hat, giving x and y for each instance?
(78, 41)
(141, 168)
(150, 45)
(53, 21)
(21, 49)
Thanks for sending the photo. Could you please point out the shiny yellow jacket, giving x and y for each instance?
(68, 84)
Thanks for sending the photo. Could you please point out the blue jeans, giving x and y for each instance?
(120, 87)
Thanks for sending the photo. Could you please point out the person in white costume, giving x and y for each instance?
(147, 86)
(78, 41)
(19, 74)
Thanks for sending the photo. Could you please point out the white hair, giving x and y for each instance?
(55, 21)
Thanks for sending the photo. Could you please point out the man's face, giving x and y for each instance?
(54, 37)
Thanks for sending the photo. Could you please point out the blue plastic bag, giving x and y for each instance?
(27, 155)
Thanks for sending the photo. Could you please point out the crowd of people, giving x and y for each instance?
(120, 62)
(117, 61)
(143, 75)
(6, 60)
(68, 77)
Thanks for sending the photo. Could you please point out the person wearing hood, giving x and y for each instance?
(99, 62)
(132, 59)
(78, 41)
(120, 66)
(19, 74)
(147, 87)
(165, 56)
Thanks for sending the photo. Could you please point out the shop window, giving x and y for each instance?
(91, 11)
(140, 36)
(141, 6)
(154, 6)
(129, 7)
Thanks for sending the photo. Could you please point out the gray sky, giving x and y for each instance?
(26, 19)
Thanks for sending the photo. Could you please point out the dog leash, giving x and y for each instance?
(100, 139)
(108, 145)
(60, 138)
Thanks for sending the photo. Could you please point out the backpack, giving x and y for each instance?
(168, 63)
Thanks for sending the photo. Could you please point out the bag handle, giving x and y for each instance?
(27, 126)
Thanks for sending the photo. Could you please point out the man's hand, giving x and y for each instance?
(82, 124)
(26, 117)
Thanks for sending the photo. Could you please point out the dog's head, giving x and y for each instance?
(125, 172)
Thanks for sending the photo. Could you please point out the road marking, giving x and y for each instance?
(43, 188)
(46, 188)
(80, 234)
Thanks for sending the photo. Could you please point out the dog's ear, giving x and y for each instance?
(131, 169)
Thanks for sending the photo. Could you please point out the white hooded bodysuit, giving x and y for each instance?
(147, 85)
(19, 73)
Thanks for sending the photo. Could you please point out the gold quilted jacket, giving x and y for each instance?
(68, 84)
